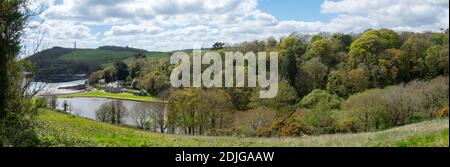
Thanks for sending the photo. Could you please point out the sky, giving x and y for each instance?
(165, 25)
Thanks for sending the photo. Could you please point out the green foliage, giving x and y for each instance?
(317, 71)
(17, 108)
(436, 60)
(415, 47)
(196, 112)
(155, 83)
(283, 103)
(366, 48)
(343, 41)
(240, 97)
(431, 140)
(345, 83)
(398, 105)
(271, 42)
(290, 42)
(365, 110)
(121, 71)
(320, 119)
(317, 37)
(113, 112)
(321, 97)
(323, 50)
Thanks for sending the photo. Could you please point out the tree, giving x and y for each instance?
(320, 119)
(436, 60)
(95, 77)
(183, 110)
(119, 111)
(218, 46)
(365, 110)
(112, 112)
(155, 83)
(103, 114)
(336, 83)
(17, 108)
(415, 48)
(317, 37)
(317, 71)
(240, 97)
(217, 103)
(195, 111)
(304, 83)
(323, 50)
(316, 96)
(367, 48)
(121, 70)
(395, 62)
(254, 46)
(283, 104)
(65, 105)
(357, 81)
(140, 113)
(271, 42)
(53, 102)
(259, 118)
(344, 83)
(343, 41)
(157, 114)
(292, 49)
(400, 103)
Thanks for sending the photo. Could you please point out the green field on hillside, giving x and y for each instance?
(123, 96)
(59, 129)
(96, 56)
(157, 55)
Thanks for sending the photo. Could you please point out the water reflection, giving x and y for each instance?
(86, 107)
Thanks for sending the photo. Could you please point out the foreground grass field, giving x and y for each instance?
(58, 129)
(123, 96)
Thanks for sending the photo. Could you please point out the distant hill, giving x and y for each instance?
(119, 48)
(57, 63)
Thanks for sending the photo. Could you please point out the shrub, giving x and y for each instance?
(442, 113)
(366, 111)
(397, 105)
(316, 96)
(320, 119)
(287, 127)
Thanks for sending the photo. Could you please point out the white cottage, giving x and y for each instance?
(114, 87)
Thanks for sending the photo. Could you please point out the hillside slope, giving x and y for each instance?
(57, 61)
(60, 129)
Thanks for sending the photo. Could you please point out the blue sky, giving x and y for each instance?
(178, 24)
(306, 10)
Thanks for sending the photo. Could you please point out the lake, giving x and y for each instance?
(87, 106)
(54, 88)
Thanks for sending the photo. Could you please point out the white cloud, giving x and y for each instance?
(177, 24)
(132, 29)
(396, 14)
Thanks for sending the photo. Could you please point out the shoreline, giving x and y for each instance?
(75, 95)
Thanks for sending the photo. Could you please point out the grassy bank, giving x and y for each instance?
(103, 94)
(60, 129)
